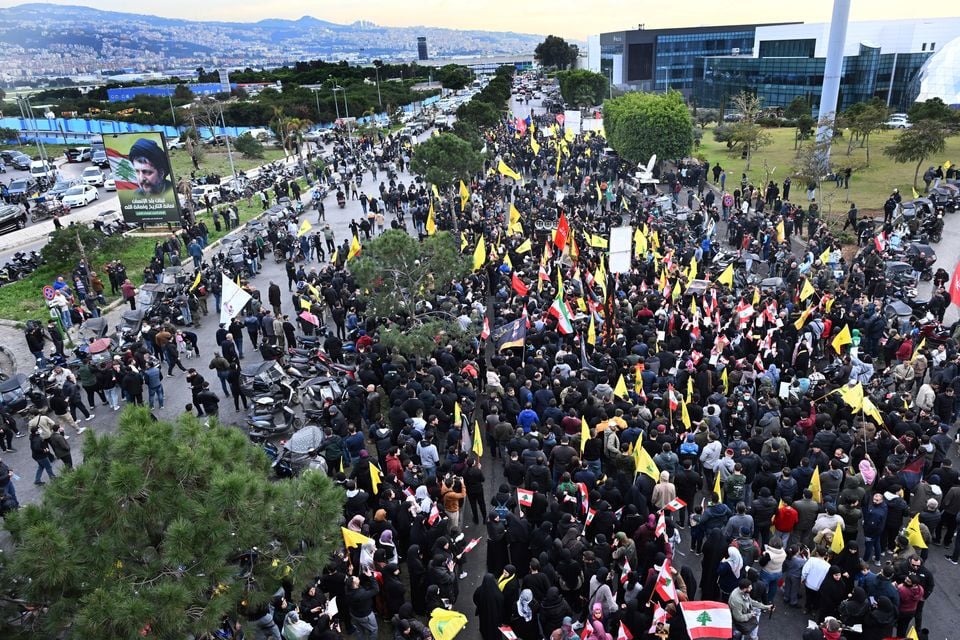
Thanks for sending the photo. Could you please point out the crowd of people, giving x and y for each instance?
(670, 434)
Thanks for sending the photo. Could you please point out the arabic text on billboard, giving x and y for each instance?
(145, 182)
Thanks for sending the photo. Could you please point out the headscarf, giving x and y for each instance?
(386, 537)
(380, 515)
(523, 605)
(356, 523)
(867, 471)
(735, 560)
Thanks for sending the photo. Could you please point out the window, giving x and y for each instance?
(933, 45)
(923, 47)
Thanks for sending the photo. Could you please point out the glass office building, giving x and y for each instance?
(777, 80)
(676, 54)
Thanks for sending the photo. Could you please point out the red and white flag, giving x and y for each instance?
(525, 316)
(880, 241)
(707, 619)
(625, 572)
(623, 633)
(673, 398)
(434, 515)
(590, 515)
(584, 497)
(525, 497)
(659, 615)
(470, 545)
(508, 632)
(661, 529)
(665, 587)
(485, 333)
(675, 505)
(744, 311)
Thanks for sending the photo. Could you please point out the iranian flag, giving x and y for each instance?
(665, 587)
(561, 311)
(525, 497)
(707, 619)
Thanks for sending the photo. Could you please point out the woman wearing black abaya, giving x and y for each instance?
(496, 544)
(854, 610)
(570, 575)
(714, 550)
(880, 621)
(488, 600)
(518, 539)
(418, 580)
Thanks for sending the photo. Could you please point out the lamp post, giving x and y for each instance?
(379, 100)
(173, 114)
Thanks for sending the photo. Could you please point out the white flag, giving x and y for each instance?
(233, 300)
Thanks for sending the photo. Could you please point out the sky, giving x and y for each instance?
(574, 19)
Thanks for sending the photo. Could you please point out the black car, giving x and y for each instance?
(7, 154)
(12, 217)
(22, 186)
(21, 162)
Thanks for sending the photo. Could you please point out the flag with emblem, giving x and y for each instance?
(707, 619)
(621, 389)
(562, 232)
(353, 539)
(485, 332)
(477, 447)
(524, 497)
(431, 220)
(355, 249)
(623, 633)
(511, 334)
(661, 527)
(446, 624)
(675, 505)
(665, 587)
(644, 463)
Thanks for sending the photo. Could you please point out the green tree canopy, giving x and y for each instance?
(926, 138)
(639, 125)
(401, 278)
(249, 146)
(555, 52)
(933, 109)
(797, 107)
(167, 526)
(454, 76)
(583, 88)
(444, 160)
(478, 113)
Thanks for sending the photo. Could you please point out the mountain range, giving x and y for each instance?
(82, 34)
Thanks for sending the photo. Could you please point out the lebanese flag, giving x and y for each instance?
(707, 619)
(625, 573)
(525, 497)
(675, 505)
(518, 285)
(672, 397)
(665, 587)
(880, 241)
(584, 497)
(590, 515)
(525, 316)
(434, 515)
(623, 633)
(659, 615)
(661, 528)
(508, 633)
(543, 273)
(955, 286)
(563, 230)
(561, 311)
(486, 329)
(744, 312)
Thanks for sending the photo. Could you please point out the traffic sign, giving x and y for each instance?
(48, 292)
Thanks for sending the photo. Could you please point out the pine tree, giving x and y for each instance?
(165, 529)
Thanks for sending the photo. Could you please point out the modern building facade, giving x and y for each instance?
(421, 47)
(778, 62)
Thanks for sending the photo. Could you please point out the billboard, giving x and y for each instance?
(145, 182)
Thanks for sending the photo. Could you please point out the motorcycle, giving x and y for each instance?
(341, 200)
(261, 428)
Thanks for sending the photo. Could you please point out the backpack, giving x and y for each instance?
(501, 510)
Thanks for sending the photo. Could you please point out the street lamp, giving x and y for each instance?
(346, 110)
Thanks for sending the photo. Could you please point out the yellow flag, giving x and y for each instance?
(375, 479)
(597, 241)
(515, 226)
(480, 254)
(524, 246)
(781, 235)
(305, 304)
(717, 489)
(947, 165)
(802, 320)
(436, 193)
(592, 333)
(507, 261)
(505, 170)
(871, 410)
(725, 380)
(196, 281)
(915, 194)
(333, 258)
(445, 624)
(534, 145)
(692, 271)
(305, 227)
(431, 220)
(477, 440)
(353, 539)
(639, 243)
(923, 342)
(464, 195)
(584, 434)
(684, 416)
(341, 464)
(830, 302)
(354, 249)
(689, 388)
(727, 276)
(807, 290)
(756, 297)
(568, 135)
(463, 242)
(457, 416)
(815, 486)
(853, 396)
(912, 634)
(914, 537)
(644, 463)
(621, 389)
(841, 338)
(825, 256)
(837, 544)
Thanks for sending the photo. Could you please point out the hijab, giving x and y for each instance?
(523, 605)
(868, 472)
(356, 523)
(735, 560)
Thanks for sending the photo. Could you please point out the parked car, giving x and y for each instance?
(79, 154)
(21, 161)
(22, 186)
(7, 155)
(100, 158)
(61, 187)
(178, 143)
(40, 171)
(12, 217)
(212, 191)
(93, 176)
(898, 122)
(80, 195)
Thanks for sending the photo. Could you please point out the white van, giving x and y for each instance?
(43, 170)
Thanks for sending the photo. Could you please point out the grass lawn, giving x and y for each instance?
(22, 301)
(215, 160)
(869, 186)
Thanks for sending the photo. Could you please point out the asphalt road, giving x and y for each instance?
(940, 613)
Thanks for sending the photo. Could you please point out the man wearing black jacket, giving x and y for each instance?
(360, 593)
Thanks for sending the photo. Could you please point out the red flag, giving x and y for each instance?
(664, 586)
(486, 329)
(563, 230)
(955, 286)
(675, 505)
(880, 241)
(521, 125)
(590, 515)
(623, 633)
(518, 285)
(560, 119)
(434, 515)
(584, 497)
(672, 398)
(661, 528)
(525, 497)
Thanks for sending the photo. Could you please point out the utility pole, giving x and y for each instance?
(173, 114)
(226, 138)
